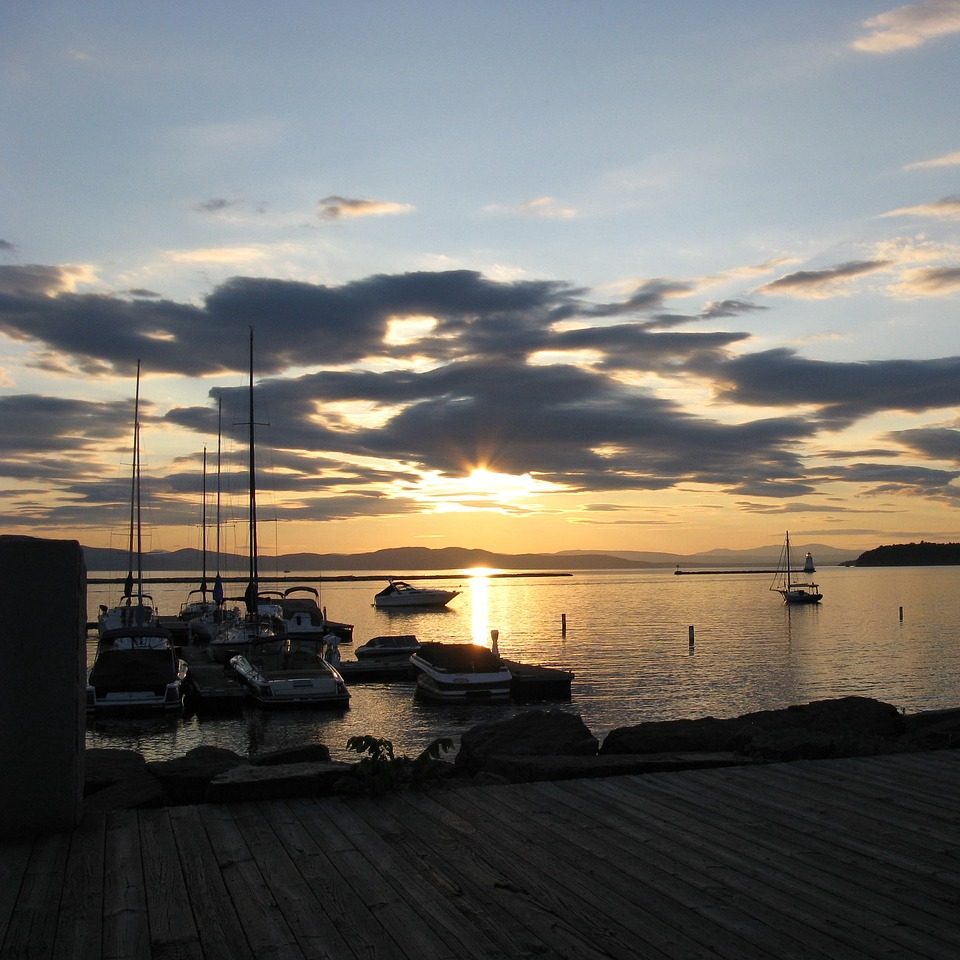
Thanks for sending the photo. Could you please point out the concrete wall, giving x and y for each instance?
(43, 606)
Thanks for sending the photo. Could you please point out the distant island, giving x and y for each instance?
(922, 554)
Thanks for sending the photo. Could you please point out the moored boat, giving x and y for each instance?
(388, 647)
(304, 617)
(399, 594)
(460, 671)
(136, 669)
(291, 672)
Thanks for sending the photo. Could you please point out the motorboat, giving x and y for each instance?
(290, 672)
(399, 594)
(301, 612)
(136, 669)
(388, 648)
(460, 671)
(794, 592)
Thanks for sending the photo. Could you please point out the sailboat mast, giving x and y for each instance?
(788, 559)
(136, 480)
(128, 584)
(203, 529)
(254, 571)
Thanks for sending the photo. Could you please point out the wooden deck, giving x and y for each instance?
(821, 859)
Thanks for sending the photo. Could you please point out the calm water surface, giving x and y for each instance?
(627, 641)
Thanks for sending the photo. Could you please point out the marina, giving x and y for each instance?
(848, 859)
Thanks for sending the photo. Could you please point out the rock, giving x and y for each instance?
(308, 753)
(824, 728)
(139, 790)
(528, 769)
(185, 778)
(932, 730)
(105, 767)
(275, 782)
(534, 733)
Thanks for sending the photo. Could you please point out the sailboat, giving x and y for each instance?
(136, 665)
(277, 669)
(793, 591)
(135, 607)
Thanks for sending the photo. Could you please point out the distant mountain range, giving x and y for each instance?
(398, 560)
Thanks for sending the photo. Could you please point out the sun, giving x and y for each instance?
(479, 489)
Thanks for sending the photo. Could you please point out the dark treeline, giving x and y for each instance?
(920, 554)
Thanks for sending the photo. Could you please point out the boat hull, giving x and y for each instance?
(460, 671)
(319, 686)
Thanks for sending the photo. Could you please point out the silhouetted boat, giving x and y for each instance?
(793, 591)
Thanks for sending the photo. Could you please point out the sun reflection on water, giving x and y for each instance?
(480, 604)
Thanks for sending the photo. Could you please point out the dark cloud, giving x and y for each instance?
(7, 247)
(843, 392)
(935, 443)
(807, 282)
(214, 205)
(474, 397)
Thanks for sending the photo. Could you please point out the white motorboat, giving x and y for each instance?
(136, 669)
(291, 672)
(460, 671)
(794, 592)
(303, 616)
(388, 648)
(399, 593)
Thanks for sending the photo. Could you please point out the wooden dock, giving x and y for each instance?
(815, 860)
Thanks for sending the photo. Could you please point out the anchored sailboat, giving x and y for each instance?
(793, 591)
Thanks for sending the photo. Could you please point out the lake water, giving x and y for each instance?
(627, 642)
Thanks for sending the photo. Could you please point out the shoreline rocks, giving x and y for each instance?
(533, 745)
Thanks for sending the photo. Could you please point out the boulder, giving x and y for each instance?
(104, 767)
(275, 782)
(185, 778)
(534, 733)
(847, 726)
(308, 753)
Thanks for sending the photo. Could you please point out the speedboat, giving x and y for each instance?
(136, 669)
(290, 672)
(399, 593)
(388, 648)
(460, 671)
(301, 612)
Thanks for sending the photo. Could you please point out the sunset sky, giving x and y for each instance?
(524, 276)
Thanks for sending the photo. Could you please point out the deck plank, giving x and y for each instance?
(126, 928)
(79, 924)
(173, 931)
(372, 879)
(13, 866)
(218, 926)
(347, 909)
(30, 932)
(859, 916)
(259, 914)
(304, 912)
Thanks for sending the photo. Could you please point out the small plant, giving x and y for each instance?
(380, 771)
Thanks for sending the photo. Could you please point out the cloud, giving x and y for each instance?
(219, 255)
(346, 208)
(7, 247)
(465, 392)
(929, 282)
(947, 160)
(821, 284)
(935, 443)
(946, 209)
(547, 208)
(35, 279)
(214, 205)
(909, 27)
(842, 392)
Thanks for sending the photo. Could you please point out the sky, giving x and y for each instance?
(523, 276)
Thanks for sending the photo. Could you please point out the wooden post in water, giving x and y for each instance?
(901, 614)
(563, 624)
(691, 640)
